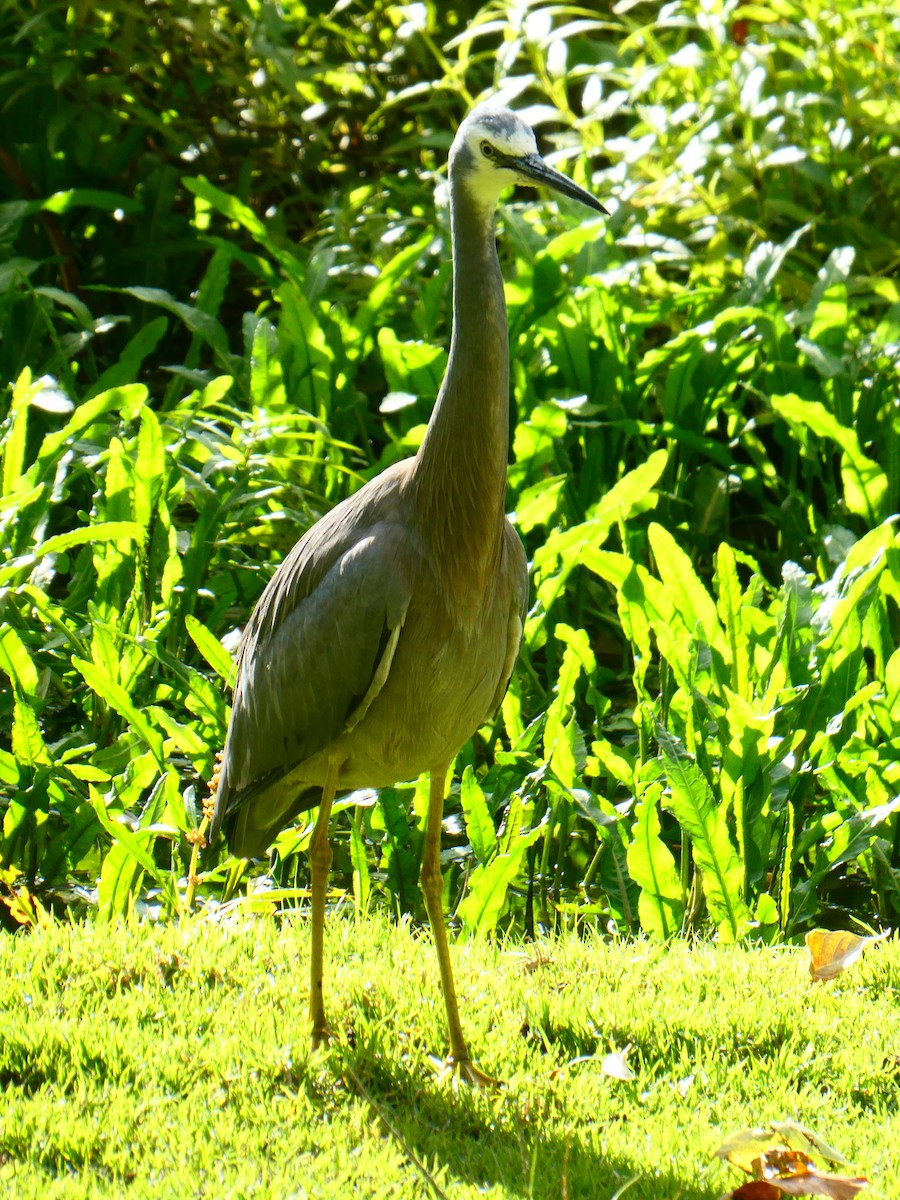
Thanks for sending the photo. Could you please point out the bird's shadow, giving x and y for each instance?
(499, 1138)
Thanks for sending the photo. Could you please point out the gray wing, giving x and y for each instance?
(515, 564)
(315, 653)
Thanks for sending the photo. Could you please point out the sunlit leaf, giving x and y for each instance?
(16, 662)
(211, 648)
(479, 825)
(831, 951)
(118, 698)
(694, 806)
(482, 907)
(865, 483)
(652, 867)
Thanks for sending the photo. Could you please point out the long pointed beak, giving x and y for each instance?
(535, 170)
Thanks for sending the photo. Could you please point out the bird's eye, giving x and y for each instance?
(487, 149)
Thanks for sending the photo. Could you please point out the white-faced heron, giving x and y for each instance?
(389, 633)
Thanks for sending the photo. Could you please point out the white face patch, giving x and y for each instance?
(506, 134)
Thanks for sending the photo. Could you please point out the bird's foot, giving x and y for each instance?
(321, 1036)
(455, 1069)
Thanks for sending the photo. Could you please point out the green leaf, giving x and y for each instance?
(104, 531)
(362, 885)
(730, 609)
(117, 887)
(135, 844)
(28, 744)
(149, 470)
(865, 484)
(694, 807)
(312, 356)
(197, 321)
(479, 824)
(266, 376)
(646, 604)
(560, 729)
(232, 208)
(566, 549)
(211, 648)
(117, 698)
(400, 863)
(518, 818)
(652, 867)
(411, 366)
(62, 202)
(852, 838)
(537, 505)
(688, 595)
(127, 400)
(12, 447)
(132, 357)
(482, 907)
(16, 662)
(390, 276)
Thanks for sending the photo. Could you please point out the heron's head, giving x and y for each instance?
(494, 149)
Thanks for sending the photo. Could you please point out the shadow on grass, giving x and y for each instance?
(503, 1139)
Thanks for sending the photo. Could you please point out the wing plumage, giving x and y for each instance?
(315, 653)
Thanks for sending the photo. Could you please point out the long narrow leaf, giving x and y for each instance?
(479, 825)
(652, 867)
(117, 698)
(694, 807)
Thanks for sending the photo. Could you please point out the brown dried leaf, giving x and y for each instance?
(755, 1189)
(831, 950)
(780, 1164)
(779, 1157)
(818, 1183)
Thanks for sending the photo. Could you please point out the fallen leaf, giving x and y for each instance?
(781, 1164)
(810, 1182)
(615, 1065)
(777, 1158)
(756, 1189)
(745, 1148)
(798, 1137)
(831, 950)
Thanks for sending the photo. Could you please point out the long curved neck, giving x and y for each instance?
(460, 470)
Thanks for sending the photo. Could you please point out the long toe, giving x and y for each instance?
(455, 1069)
(320, 1037)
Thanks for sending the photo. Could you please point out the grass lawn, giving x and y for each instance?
(173, 1061)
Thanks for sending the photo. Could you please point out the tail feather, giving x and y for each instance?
(252, 820)
(254, 826)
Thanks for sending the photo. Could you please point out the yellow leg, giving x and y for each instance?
(319, 866)
(459, 1062)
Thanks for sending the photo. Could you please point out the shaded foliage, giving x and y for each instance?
(226, 301)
